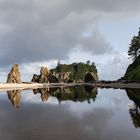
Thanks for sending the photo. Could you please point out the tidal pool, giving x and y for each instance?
(70, 113)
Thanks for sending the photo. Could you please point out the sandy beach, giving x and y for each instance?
(119, 85)
(23, 86)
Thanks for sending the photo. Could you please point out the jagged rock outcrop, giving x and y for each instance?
(15, 97)
(14, 75)
(45, 77)
(67, 73)
(91, 77)
(53, 79)
(44, 74)
(35, 78)
(62, 76)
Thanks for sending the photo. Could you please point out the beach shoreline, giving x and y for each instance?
(24, 86)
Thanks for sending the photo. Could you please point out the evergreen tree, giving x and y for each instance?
(88, 62)
(58, 68)
(134, 48)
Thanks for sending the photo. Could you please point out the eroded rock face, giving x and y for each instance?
(62, 76)
(14, 75)
(35, 78)
(53, 79)
(45, 77)
(90, 78)
(44, 73)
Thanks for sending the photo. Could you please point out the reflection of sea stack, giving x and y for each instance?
(134, 110)
(14, 96)
(14, 75)
(135, 115)
(44, 93)
(76, 94)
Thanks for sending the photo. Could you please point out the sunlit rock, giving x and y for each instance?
(62, 76)
(44, 74)
(14, 75)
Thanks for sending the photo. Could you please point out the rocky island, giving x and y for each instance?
(68, 73)
(62, 75)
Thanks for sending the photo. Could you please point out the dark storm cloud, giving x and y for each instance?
(37, 30)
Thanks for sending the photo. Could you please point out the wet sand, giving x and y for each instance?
(119, 85)
(23, 86)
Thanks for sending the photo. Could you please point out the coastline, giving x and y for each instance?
(119, 85)
(25, 86)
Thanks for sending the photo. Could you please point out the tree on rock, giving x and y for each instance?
(134, 48)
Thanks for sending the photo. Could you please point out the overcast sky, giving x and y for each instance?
(35, 33)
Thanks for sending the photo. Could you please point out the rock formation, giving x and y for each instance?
(67, 73)
(90, 77)
(74, 72)
(53, 79)
(43, 77)
(35, 78)
(62, 76)
(14, 75)
(44, 74)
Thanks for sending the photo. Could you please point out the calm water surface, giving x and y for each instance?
(78, 113)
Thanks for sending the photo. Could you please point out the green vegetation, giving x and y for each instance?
(134, 94)
(133, 71)
(134, 110)
(77, 70)
(76, 94)
(134, 48)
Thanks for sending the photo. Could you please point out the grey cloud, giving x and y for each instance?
(95, 43)
(46, 29)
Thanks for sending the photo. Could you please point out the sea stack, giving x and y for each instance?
(14, 75)
(43, 77)
(44, 74)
